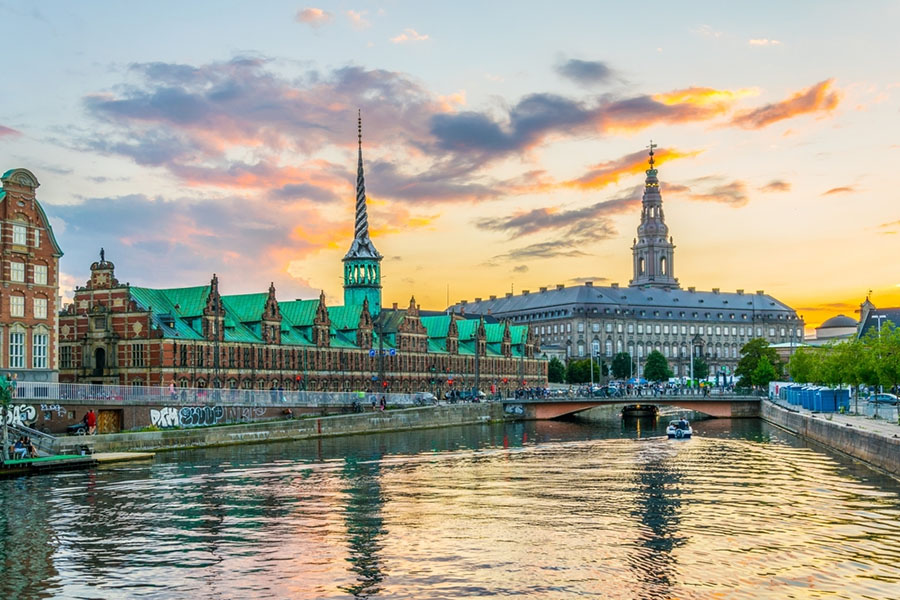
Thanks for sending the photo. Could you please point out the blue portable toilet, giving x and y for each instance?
(825, 400)
(842, 399)
(794, 394)
(806, 398)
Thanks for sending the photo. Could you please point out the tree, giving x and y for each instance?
(556, 371)
(657, 367)
(622, 366)
(751, 354)
(803, 364)
(579, 371)
(701, 368)
(763, 373)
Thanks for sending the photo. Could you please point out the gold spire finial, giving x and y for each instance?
(651, 146)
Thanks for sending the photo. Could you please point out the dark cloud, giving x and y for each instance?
(733, 194)
(585, 72)
(776, 185)
(304, 191)
(540, 250)
(840, 190)
(520, 269)
(145, 236)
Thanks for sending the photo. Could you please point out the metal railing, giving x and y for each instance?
(49, 394)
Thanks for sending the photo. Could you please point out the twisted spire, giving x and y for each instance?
(361, 229)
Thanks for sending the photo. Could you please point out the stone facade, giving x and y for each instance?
(30, 275)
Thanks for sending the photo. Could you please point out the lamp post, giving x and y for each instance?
(879, 318)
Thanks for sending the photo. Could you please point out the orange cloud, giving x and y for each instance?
(846, 189)
(818, 98)
(700, 96)
(610, 172)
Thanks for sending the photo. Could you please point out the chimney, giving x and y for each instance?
(524, 292)
(543, 289)
(760, 292)
(509, 294)
(715, 290)
(560, 286)
(740, 292)
(614, 286)
(588, 284)
(692, 289)
(395, 306)
(493, 297)
(463, 302)
(489, 311)
(477, 299)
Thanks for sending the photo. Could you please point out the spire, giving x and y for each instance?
(361, 231)
(653, 250)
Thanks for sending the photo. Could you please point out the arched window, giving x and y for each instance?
(662, 266)
(641, 266)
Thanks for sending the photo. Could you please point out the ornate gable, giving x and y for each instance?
(214, 313)
(364, 327)
(321, 330)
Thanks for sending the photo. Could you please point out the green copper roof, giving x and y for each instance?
(466, 329)
(437, 326)
(299, 312)
(344, 317)
(518, 333)
(246, 308)
(494, 332)
(179, 302)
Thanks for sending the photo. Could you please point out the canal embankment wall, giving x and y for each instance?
(877, 449)
(288, 429)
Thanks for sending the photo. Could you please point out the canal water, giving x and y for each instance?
(524, 510)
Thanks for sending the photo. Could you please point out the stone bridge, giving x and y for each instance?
(723, 406)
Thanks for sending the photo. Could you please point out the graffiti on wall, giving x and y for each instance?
(58, 409)
(203, 416)
(21, 414)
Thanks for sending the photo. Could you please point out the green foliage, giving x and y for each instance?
(701, 368)
(622, 366)
(763, 373)
(657, 367)
(556, 371)
(803, 364)
(579, 371)
(752, 352)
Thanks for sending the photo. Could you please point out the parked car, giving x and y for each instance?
(424, 399)
(882, 399)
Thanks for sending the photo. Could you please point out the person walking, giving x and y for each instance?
(91, 422)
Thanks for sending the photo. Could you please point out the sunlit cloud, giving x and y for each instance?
(763, 42)
(818, 98)
(409, 35)
(6, 131)
(846, 189)
(357, 19)
(733, 194)
(700, 96)
(776, 185)
(610, 172)
(707, 31)
(314, 17)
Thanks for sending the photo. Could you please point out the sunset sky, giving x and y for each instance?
(504, 143)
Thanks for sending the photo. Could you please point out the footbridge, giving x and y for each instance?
(720, 405)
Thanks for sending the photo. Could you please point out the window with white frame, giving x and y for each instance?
(580, 349)
(758, 331)
(595, 327)
(37, 238)
(619, 328)
(20, 235)
(640, 328)
(17, 350)
(40, 274)
(581, 328)
(693, 330)
(771, 332)
(684, 330)
(631, 328)
(609, 328)
(16, 271)
(718, 330)
(39, 350)
(17, 306)
(40, 308)
(657, 330)
(608, 347)
(666, 329)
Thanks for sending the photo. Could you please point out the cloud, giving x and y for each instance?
(847, 189)
(539, 251)
(818, 98)
(357, 19)
(764, 42)
(585, 72)
(707, 31)
(589, 220)
(409, 35)
(733, 194)
(314, 17)
(630, 165)
(6, 131)
(520, 269)
(776, 185)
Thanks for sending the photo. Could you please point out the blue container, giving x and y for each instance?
(806, 398)
(794, 394)
(842, 398)
(825, 401)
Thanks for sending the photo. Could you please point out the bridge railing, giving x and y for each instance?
(127, 395)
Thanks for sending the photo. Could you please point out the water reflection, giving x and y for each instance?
(365, 525)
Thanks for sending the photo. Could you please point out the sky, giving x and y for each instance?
(504, 143)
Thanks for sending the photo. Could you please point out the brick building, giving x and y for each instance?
(195, 337)
(30, 274)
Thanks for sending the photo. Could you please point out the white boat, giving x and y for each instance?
(679, 429)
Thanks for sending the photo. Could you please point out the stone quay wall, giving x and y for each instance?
(877, 450)
(288, 429)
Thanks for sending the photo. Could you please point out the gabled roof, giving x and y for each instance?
(891, 315)
(179, 302)
(300, 313)
(345, 317)
(246, 308)
(437, 326)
